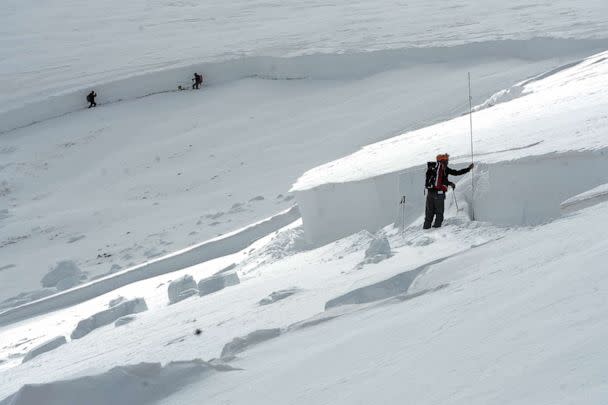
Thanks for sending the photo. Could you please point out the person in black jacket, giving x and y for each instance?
(91, 99)
(198, 80)
(437, 183)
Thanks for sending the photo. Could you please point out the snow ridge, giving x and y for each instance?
(347, 65)
(202, 252)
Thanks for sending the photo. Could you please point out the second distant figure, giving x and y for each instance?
(198, 80)
(91, 99)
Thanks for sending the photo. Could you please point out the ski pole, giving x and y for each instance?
(455, 201)
(471, 130)
(403, 216)
(402, 203)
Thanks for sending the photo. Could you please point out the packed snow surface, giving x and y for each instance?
(113, 196)
(62, 46)
(288, 86)
(522, 320)
(482, 316)
(129, 182)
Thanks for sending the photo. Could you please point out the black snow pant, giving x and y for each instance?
(196, 85)
(435, 204)
(92, 104)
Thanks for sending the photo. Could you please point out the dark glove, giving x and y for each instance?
(472, 165)
(452, 185)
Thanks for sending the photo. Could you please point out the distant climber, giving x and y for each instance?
(91, 99)
(198, 80)
(437, 183)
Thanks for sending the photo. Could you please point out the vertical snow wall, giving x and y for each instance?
(526, 191)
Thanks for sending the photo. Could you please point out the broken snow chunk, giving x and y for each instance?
(45, 347)
(210, 285)
(239, 344)
(390, 287)
(108, 316)
(230, 279)
(226, 269)
(217, 282)
(123, 320)
(584, 200)
(142, 383)
(187, 294)
(378, 246)
(116, 301)
(278, 295)
(378, 250)
(181, 289)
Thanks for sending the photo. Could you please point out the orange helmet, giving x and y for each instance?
(443, 157)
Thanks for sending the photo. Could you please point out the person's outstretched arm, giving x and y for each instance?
(461, 171)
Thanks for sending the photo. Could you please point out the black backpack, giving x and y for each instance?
(431, 174)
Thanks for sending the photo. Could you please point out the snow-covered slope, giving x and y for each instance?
(151, 170)
(60, 46)
(497, 314)
(484, 310)
(131, 181)
(520, 321)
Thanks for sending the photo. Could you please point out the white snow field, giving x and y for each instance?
(152, 251)
(517, 320)
(496, 314)
(64, 46)
(131, 181)
(151, 170)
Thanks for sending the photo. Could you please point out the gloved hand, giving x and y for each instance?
(472, 165)
(452, 185)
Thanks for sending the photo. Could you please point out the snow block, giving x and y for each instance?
(188, 293)
(181, 289)
(378, 250)
(231, 279)
(138, 384)
(333, 211)
(378, 246)
(217, 282)
(45, 347)
(278, 296)
(228, 268)
(63, 276)
(116, 301)
(239, 344)
(108, 316)
(313, 321)
(584, 200)
(384, 289)
(123, 320)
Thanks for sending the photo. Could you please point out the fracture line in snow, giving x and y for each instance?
(208, 250)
